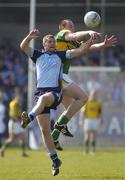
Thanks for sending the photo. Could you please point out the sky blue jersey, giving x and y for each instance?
(49, 67)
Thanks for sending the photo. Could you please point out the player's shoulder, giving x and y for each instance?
(61, 34)
(65, 31)
(98, 103)
(36, 54)
(12, 102)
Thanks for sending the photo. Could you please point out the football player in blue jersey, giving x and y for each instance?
(49, 89)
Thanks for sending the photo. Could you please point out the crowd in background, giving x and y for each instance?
(114, 56)
(13, 73)
(13, 68)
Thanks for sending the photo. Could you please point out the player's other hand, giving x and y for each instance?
(111, 41)
(93, 38)
(95, 34)
(34, 34)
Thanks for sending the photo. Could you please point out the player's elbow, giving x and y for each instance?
(21, 46)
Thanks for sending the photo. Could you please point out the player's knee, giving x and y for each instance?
(42, 99)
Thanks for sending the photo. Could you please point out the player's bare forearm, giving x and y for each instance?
(97, 47)
(25, 43)
(79, 36)
(82, 49)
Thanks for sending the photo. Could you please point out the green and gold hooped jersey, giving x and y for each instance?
(93, 109)
(14, 109)
(62, 45)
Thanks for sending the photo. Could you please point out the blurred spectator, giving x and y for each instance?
(14, 126)
(92, 119)
(2, 116)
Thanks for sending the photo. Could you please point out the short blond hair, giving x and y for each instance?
(48, 36)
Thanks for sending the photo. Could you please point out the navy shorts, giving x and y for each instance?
(55, 91)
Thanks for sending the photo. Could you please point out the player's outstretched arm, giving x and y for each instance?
(24, 45)
(83, 48)
(108, 42)
(78, 36)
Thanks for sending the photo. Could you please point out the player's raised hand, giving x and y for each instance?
(111, 41)
(24, 45)
(95, 34)
(94, 38)
(34, 34)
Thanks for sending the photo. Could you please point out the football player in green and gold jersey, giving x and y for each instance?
(73, 96)
(14, 127)
(93, 117)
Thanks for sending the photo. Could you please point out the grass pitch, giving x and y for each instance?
(107, 164)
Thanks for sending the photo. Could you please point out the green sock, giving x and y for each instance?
(61, 121)
(4, 146)
(22, 147)
(93, 145)
(87, 145)
(55, 135)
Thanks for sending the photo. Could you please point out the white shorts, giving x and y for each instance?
(91, 124)
(66, 81)
(14, 127)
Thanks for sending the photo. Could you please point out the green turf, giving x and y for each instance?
(107, 164)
